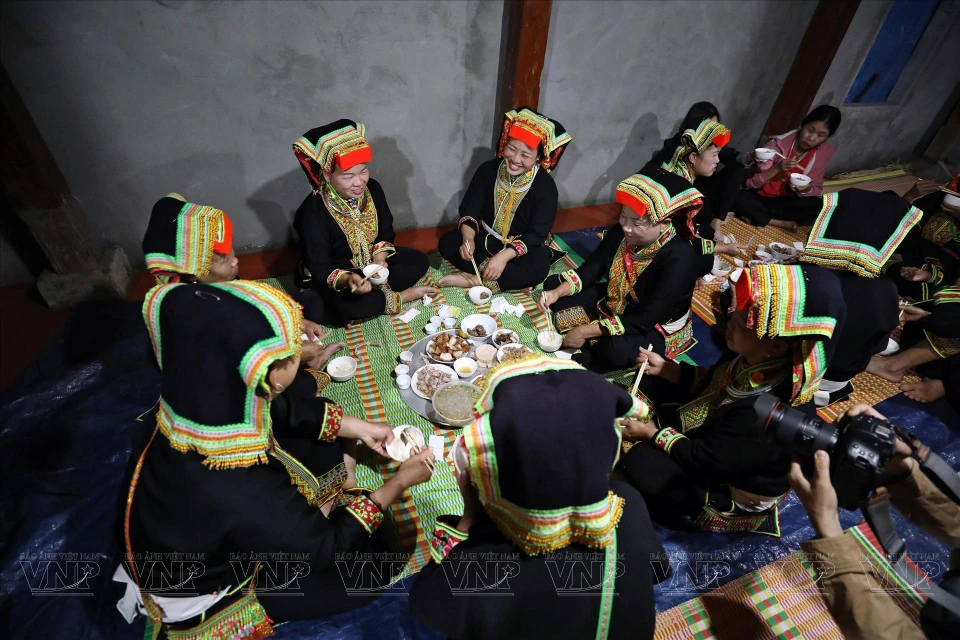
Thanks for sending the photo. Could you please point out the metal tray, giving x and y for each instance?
(420, 405)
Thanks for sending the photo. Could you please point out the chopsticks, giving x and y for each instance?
(366, 277)
(476, 269)
(549, 318)
(643, 367)
(950, 192)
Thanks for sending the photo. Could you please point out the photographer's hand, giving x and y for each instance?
(817, 495)
(902, 463)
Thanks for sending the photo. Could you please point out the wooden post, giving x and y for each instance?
(820, 43)
(39, 194)
(526, 24)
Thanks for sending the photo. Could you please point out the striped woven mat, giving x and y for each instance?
(373, 395)
(781, 601)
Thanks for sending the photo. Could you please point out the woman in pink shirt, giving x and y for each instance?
(770, 197)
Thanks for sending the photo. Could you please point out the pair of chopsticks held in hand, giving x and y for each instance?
(353, 287)
(549, 316)
(430, 465)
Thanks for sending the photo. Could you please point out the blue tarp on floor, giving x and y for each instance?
(68, 430)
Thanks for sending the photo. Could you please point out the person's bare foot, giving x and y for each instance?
(459, 279)
(885, 368)
(415, 293)
(927, 390)
(789, 225)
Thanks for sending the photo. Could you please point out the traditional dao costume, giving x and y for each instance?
(934, 245)
(942, 331)
(699, 140)
(512, 211)
(856, 234)
(182, 237)
(709, 464)
(540, 458)
(340, 235)
(646, 297)
(217, 488)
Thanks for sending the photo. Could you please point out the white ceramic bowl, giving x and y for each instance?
(799, 179)
(455, 422)
(449, 323)
(764, 154)
(401, 369)
(431, 328)
(951, 201)
(721, 268)
(400, 450)
(406, 357)
(782, 252)
(381, 275)
(475, 292)
(342, 369)
(403, 381)
(469, 366)
(500, 332)
(549, 341)
(436, 320)
(471, 321)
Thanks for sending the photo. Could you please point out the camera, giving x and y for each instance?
(859, 447)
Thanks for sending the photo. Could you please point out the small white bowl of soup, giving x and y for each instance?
(479, 295)
(763, 154)
(465, 367)
(380, 274)
(800, 180)
(342, 369)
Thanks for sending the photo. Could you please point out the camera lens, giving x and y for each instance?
(790, 427)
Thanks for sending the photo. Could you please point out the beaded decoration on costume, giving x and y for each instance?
(199, 231)
(647, 197)
(778, 298)
(245, 619)
(941, 229)
(245, 443)
(533, 130)
(863, 259)
(508, 193)
(696, 140)
(729, 383)
(317, 491)
(536, 531)
(358, 222)
(627, 265)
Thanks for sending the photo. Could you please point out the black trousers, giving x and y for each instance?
(523, 271)
(719, 191)
(758, 210)
(327, 306)
(608, 353)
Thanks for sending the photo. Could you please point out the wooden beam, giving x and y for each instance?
(526, 24)
(820, 43)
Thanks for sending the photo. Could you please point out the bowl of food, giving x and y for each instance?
(376, 274)
(479, 295)
(510, 352)
(799, 179)
(406, 440)
(342, 369)
(479, 326)
(486, 355)
(447, 347)
(721, 268)
(427, 379)
(454, 402)
(763, 154)
(504, 336)
(782, 252)
(465, 367)
(549, 341)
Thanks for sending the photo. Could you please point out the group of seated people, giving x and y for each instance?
(252, 458)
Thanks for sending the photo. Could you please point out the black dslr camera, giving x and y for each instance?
(859, 447)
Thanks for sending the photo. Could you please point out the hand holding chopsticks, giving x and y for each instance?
(643, 368)
(354, 287)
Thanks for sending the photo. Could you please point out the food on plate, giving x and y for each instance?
(477, 331)
(515, 352)
(484, 295)
(486, 354)
(479, 382)
(430, 377)
(406, 441)
(456, 402)
(505, 336)
(448, 347)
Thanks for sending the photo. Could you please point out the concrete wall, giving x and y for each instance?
(136, 99)
(873, 135)
(621, 76)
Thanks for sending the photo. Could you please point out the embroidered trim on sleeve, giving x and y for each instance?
(332, 278)
(612, 326)
(573, 278)
(666, 438)
(366, 512)
(330, 427)
(445, 538)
